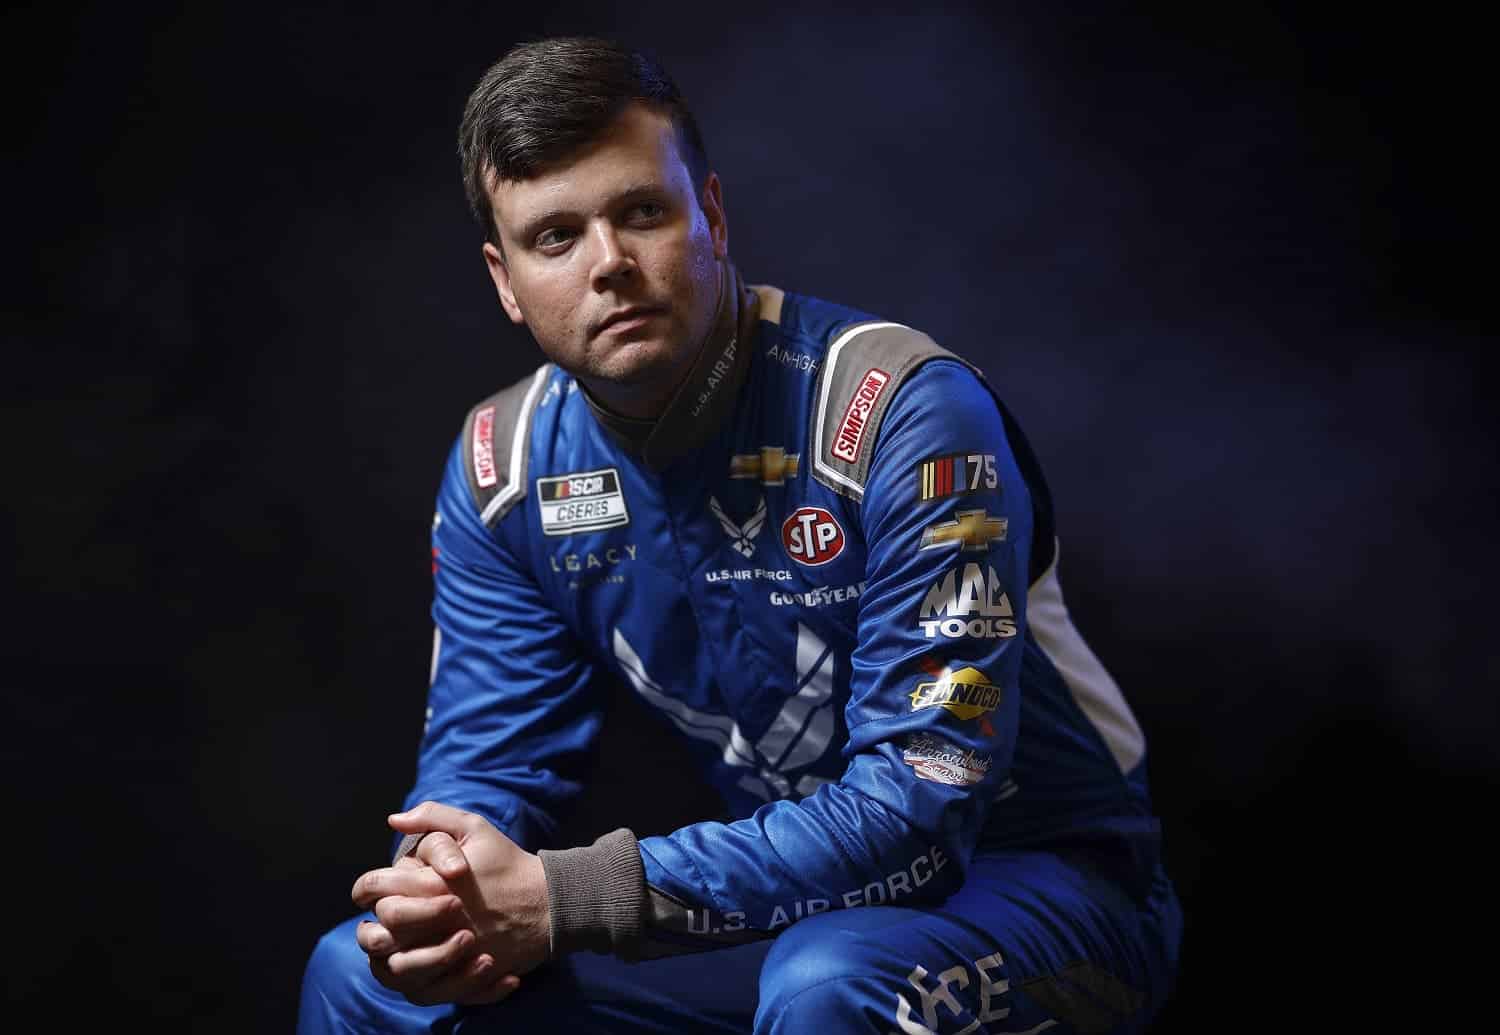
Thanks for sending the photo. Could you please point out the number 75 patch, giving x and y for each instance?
(956, 474)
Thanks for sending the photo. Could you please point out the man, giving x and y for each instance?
(817, 544)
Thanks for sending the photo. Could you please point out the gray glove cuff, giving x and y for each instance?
(597, 895)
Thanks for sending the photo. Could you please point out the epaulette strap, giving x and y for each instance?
(496, 438)
(865, 365)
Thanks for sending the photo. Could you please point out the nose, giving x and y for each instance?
(612, 261)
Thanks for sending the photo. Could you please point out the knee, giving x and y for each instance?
(337, 971)
(819, 975)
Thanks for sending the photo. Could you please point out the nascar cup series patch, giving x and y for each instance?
(583, 502)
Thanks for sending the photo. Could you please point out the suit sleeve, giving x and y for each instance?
(510, 712)
(934, 698)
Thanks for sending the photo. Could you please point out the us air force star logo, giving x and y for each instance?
(741, 537)
(772, 465)
(974, 529)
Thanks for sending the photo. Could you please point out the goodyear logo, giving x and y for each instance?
(967, 693)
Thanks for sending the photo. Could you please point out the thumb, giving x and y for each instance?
(430, 816)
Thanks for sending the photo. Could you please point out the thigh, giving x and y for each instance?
(707, 992)
(1031, 943)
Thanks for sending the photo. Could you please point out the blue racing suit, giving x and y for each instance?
(831, 566)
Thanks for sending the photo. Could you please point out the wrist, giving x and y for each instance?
(596, 896)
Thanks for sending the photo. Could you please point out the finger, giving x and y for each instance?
(442, 853)
(431, 815)
(493, 992)
(418, 882)
(374, 938)
(477, 983)
(427, 963)
(411, 922)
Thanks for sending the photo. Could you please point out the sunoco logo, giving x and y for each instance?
(971, 603)
(967, 693)
(812, 536)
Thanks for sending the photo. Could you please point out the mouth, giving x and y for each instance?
(630, 317)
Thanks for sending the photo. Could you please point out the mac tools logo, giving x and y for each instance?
(971, 603)
(741, 537)
(812, 536)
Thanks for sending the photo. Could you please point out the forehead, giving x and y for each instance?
(640, 146)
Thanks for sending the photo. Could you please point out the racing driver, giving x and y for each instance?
(818, 546)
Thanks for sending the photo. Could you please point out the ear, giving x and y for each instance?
(500, 274)
(713, 208)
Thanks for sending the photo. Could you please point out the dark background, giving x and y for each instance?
(1226, 265)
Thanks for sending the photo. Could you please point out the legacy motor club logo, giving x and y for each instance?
(956, 474)
(741, 537)
(586, 501)
(967, 693)
(933, 758)
(971, 603)
(773, 465)
(812, 536)
(971, 529)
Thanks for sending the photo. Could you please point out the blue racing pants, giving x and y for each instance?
(1033, 941)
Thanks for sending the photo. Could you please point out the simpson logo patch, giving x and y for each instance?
(484, 447)
(773, 465)
(582, 502)
(955, 475)
(933, 758)
(812, 536)
(845, 445)
(967, 693)
(971, 529)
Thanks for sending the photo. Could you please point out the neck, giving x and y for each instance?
(668, 429)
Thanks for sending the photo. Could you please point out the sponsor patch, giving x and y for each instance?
(819, 596)
(845, 445)
(967, 693)
(484, 447)
(933, 758)
(956, 474)
(583, 502)
(812, 536)
(773, 465)
(968, 603)
(741, 537)
(971, 529)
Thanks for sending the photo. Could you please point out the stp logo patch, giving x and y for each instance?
(812, 536)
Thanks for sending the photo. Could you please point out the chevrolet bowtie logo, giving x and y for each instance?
(974, 529)
(771, 465)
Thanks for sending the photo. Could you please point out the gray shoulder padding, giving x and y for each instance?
(496, 440)
(864, 367)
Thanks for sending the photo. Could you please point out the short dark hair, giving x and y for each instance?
(546, 99)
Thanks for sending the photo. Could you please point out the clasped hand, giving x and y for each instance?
(461, 920)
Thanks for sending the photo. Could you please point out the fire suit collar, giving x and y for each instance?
(707, 395)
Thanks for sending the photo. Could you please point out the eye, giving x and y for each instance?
(647, 212)
(553, 239)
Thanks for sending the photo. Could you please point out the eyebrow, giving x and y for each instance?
(533, 226)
